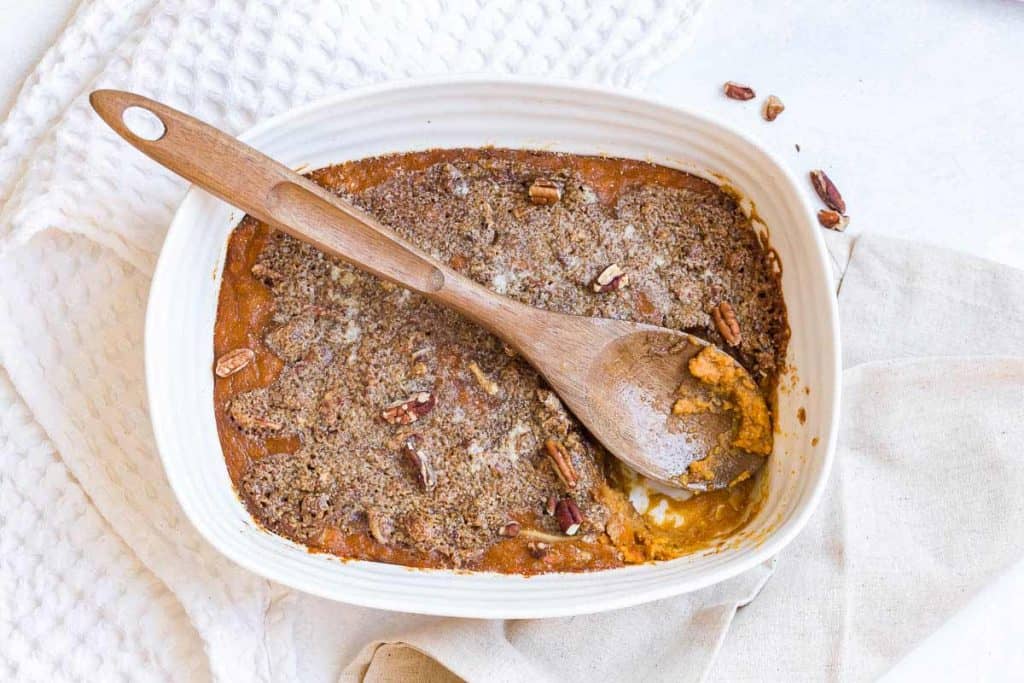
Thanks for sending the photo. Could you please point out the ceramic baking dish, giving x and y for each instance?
(504, 113)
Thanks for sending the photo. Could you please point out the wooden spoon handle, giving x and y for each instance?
(272, 193)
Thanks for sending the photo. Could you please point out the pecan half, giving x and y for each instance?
(409, 410)
(736, 91)
(485, 382)
(544, 192)
(419, 461)
(827, 191)
(233, 361)
(833, 220)
(725, 321)
(562, 463)
(773, 106)
(611, 279)
(569, 516)
(509, 530)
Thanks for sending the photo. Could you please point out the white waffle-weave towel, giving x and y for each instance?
(102, 575)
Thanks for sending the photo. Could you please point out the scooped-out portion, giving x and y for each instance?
(359, 419)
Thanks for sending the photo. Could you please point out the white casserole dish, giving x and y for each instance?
(504, 113)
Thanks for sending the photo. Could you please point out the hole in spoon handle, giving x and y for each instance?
(143, 123)
(137, 119)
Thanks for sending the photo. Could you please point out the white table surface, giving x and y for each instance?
(915, 109)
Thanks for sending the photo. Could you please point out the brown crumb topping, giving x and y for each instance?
(412, 427)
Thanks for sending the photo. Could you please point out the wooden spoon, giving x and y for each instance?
(619, 378)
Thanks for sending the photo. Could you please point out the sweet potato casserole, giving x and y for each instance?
(358, 418)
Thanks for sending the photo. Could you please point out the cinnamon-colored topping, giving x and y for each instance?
(361, 427)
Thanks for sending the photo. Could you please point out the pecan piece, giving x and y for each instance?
(422, 528)
(569, 516)
(247, 421)
(485, 382)
(550, 401)
(737, 91)
(562, 463)
(538, 549)
(773, 106)
(611, 279)
(250, 414)
(419, 461)
(293, 339)
(725, 321)
(488, 217)
(544, 192)
(827, 191)
(509, 530)
(265, 274)
(453, 181)
(233, 361)
(380, 526)
(833, 220)
(550, 504)
(330, 406)
(409, 410)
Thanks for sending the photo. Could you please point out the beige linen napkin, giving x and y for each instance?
(923, 508)
(670, 640)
